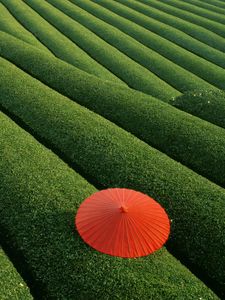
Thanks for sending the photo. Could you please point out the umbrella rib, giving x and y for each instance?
(150, 230)
(147, 233)
(138, 234)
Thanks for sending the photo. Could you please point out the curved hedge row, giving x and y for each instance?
(204, 35)
(137, 29)
(205, 13)
(167, 70)
(12, 285)
(217, 3)
(116, 158)
(170, 7)
(165, 127)
(10, 25)
(207, 6)
(61, 46)
(134, 74)
(185, 59)
(57, 257)
(207, 105)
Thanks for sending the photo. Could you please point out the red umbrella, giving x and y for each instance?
(122, 222)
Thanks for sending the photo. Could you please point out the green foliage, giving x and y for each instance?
(195, 11)
(158, 124)
(166, 69)
(61, 46)
(207, 105)
(12, 285)
(171, 7)
(10, 25)
(200, 33)
(207, 6)
(39, 197)
(135, 75)
(177, 77)
(129, 21)
(102, 46)
(217, 3)
(116, 158)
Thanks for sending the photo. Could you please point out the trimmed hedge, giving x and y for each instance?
(170, 7)
(10, 25)
(207, 105)
(204, 35)
(61, 46)
(207, 6)
(158, 124)
(135, 75)
(42, 193)
(217, 3)
(131, 19)
(12, 285)
(163, 68)
(115, 158)
(198, 11)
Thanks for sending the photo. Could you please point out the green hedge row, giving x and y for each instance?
(164, 69)
(205, 13)
(132, 19)
(217, 3)
(12, 285)
(162, 30)
(167, 6)
(134, 74)
(204, 35)
(160, 125)
(115, 158)
(10, 25)
(207, 105)
(39, 196)
(61, 46)
(207, 6)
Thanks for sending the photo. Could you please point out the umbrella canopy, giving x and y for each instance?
(122, 222)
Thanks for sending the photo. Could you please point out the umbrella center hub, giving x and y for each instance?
(124, 209)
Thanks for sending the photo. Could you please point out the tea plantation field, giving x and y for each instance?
(111, 93)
